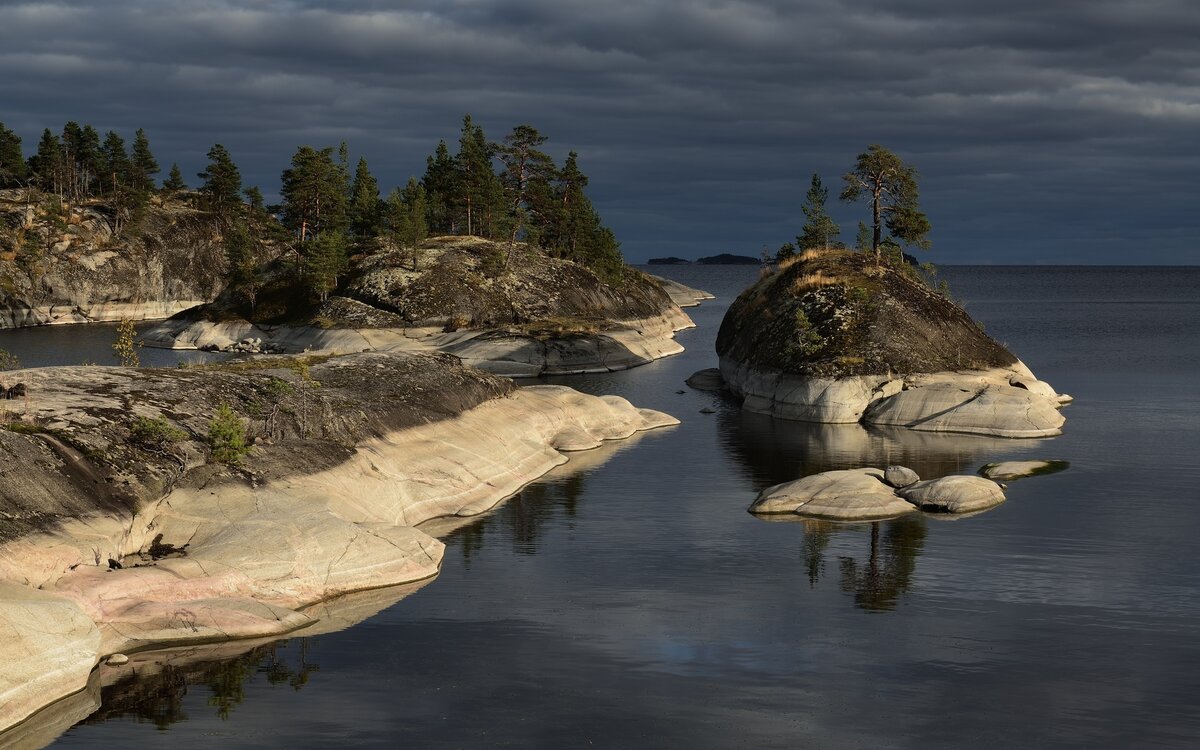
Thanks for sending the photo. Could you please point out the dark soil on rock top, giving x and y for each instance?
(835, 313)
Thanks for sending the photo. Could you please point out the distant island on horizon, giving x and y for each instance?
(724, 259)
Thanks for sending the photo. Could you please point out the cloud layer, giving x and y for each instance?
(1044, 132)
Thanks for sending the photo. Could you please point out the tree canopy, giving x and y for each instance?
(890, 185)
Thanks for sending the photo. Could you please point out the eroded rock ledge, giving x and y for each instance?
(127, 543)
(833, 338)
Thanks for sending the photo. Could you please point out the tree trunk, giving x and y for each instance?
(875, 209)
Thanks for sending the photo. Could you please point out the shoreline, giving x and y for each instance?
(250, 555)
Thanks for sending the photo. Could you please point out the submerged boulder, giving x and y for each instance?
(832, 337)
(1005, 471)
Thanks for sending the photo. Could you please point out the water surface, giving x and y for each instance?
(635, 603)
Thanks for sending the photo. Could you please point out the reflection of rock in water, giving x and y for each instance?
(158, 696)
(153, 684)
(521, 517)
(776, 450)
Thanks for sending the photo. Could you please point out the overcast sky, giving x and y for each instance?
(1045, 131)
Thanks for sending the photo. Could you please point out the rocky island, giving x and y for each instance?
(514, 311)
(145, 508)
(834, 336)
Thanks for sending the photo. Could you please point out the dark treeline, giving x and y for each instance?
(507, 191)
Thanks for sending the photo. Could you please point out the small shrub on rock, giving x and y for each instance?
(155, 433)
(227, 436)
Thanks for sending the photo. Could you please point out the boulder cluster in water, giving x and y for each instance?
(871, 494)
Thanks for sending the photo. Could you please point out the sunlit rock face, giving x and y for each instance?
(135, 537)
(77, 270)
(831, 337)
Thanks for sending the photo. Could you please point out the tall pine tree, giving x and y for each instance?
(365, 206)
(819, 229)
(222, 183)
(13, 168)
(143, 166)
(439, 183)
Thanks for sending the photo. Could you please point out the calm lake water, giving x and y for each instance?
(632, 602)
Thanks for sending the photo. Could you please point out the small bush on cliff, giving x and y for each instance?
(227, 436)
(155, 433)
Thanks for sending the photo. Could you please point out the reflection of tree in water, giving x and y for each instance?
(878, 581)
(522, 516)
(159, 697)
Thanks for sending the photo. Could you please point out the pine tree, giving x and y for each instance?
(222, 186)
(324, 261)
(475, 181)
(820, 227)
(241, 264)
(573, 229)
(439, 182)
(258, 204)
(13, 168)
(116, 172)
(364, 203)
(143, 165)
(314, 194)
(891, 186)
(47, 163)
(862, 240)
(174, 182)
(526, 179)
(415, 227)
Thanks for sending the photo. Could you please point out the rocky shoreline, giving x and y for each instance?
(127, 548)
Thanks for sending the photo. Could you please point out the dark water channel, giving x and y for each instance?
(631, 601)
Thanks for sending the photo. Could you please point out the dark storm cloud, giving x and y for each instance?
(1044, 131)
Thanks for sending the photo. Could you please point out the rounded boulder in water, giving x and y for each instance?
(900, 476)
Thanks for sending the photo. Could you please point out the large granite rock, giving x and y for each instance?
(849, 495)
(48, 646)
(954, 494)
(833, 338)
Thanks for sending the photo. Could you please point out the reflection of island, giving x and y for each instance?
(771, 451)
